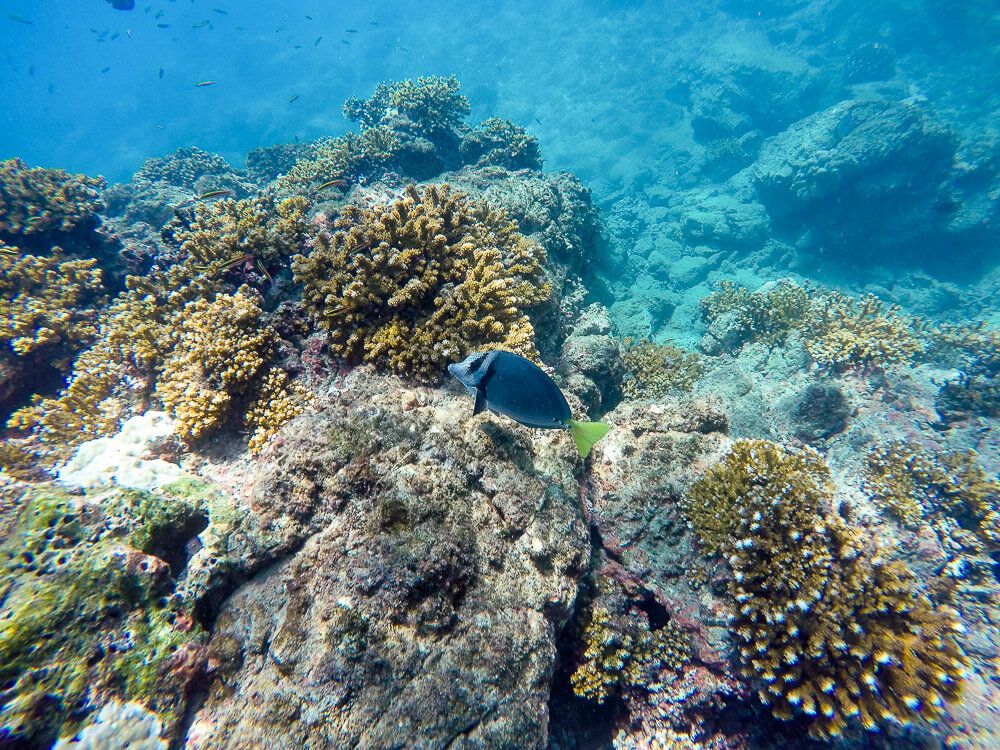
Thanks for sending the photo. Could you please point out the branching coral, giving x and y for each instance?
(422, 282)
(656, 370)
(47, 301)
(767, 315)
(621, 650)
(277, 401)
(916, 485)
(846, 333)
(975, 350)
(432, 102)
(254, 231)
(501, 143)
(37, 202)
(830, 630)
(215, 352)
(342, 160)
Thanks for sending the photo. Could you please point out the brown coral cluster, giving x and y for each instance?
(37, 202)
(656, 370)
(829, 629)
(767, 315)
(423, 281)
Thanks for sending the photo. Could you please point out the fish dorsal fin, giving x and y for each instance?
(480, 402)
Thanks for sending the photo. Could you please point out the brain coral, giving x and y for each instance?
(422, 282)
(37, 202)
(829, 629)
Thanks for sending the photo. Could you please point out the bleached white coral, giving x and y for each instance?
(119, 459)
(118, 726)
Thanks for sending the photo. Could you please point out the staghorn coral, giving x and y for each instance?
(656, 370)
(768, 314)
(829, 630)
(501, 143)
(228, 233)
(83, 616)
(47, 302)
(38, 203)
(422, 282)
(216, 350)
(846, 333)
(431, 102)
(917, 485)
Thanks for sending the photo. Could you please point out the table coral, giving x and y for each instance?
(829, 629)
(422, 282)
(656, 370)
(38, 203)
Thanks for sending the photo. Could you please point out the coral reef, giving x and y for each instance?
(422, 282)
(39, 206)
(342, 160)
(49, 307)
(655, 370)
(830, 630)
(847, 333)
(267, 163)
(975, 350)
(276, 401)
(501, 143)
(431, 102)
(254, 233)
(768, 314)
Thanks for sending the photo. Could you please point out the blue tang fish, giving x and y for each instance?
(516, 387)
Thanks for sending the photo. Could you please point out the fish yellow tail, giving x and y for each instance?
(585, 434)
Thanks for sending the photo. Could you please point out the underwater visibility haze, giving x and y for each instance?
(721, 278)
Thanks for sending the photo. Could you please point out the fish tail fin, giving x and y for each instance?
(585, 434)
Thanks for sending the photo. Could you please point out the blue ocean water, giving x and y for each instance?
(835, 146)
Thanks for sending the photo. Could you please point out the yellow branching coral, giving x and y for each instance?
(846, 333)
(215, 351)
(47, 301)
(767, 315)
(656, 370)
(344, 158)
(276, 402)
(829, 630)
(255, 230)
(432, 102)
(621, 650)
(422, 282)
(916, 484)
(35, 202)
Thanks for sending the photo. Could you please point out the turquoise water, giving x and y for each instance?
(755, 220)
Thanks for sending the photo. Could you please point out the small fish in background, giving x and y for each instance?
(129, 33)
(309, 18)
(401, 48)
(163, 25)
(106, 69)
(52, 88)
(162, 71)
(203, 84)
(318, 40)
(221, 12)
(21, 20)
(516, 387)
(330, 184)
(159, 14)
(350, 31)
(200, 24)
(158, 126)
(344, 41)
(293, 99)
(122, 4)
(31, 71)
(373, 23)
(279, 29)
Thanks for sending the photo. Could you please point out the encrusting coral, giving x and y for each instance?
(43, 203)
(84, 615)
(424, 281)
(656, 370)
(829, 629)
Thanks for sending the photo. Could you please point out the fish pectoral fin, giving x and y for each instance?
(480, 402)
(585, 434)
